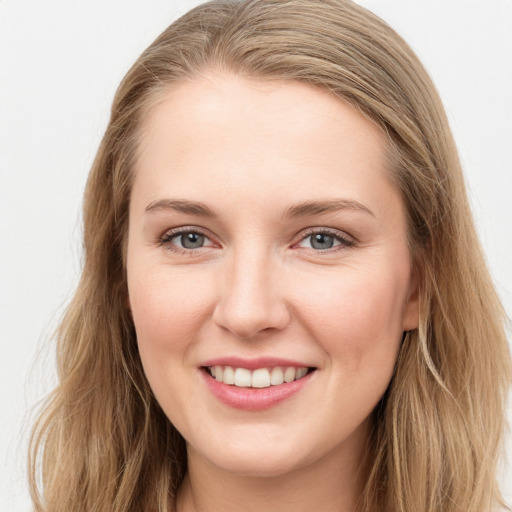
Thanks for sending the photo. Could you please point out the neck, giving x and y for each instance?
(332, 482)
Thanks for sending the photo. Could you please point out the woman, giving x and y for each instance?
(283, 303)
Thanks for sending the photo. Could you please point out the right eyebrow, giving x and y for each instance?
(181, 205)
(310, 208)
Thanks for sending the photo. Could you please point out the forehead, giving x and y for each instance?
(231, 100)
(226, 132)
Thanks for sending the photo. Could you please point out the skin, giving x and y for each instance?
(250, 151)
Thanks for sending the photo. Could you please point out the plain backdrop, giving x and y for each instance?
(60, 63)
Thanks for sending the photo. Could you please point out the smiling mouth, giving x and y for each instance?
(258, 378)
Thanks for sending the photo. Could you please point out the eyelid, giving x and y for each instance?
(166, 237)
(345, 239)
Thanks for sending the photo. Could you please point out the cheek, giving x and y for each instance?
(357, 318)
(167, 313)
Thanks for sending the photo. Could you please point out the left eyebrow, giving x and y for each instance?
(317, 207)
(181, 205)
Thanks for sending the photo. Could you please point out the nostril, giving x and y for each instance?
(250, 306)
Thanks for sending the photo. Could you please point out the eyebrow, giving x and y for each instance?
(305, 209)
(317, 207)
(181, 205)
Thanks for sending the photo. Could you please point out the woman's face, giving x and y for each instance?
(266, 242)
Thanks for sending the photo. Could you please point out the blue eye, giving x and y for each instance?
(189, 240)
(324, 240)
(185, 240)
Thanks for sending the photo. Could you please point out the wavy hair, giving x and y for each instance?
(103, 444)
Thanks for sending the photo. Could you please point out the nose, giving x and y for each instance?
(251, 299)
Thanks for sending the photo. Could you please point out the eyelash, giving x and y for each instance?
(344, 242)
(166, 238)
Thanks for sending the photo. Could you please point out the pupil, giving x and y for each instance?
(192, 240)
(322, 241)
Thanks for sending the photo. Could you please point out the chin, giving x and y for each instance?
(261, 466)
(264, 458)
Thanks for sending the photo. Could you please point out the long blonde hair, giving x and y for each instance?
(102, 443)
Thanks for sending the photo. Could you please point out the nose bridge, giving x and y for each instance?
(250, 298)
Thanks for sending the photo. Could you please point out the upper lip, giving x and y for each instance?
(254, 364)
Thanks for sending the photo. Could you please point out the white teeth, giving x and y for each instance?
(301, 372)
(229, 375)
(260, 378)
(276, 377)
(243, 378)
(289, 374)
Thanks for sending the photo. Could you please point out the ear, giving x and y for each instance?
(411, 313)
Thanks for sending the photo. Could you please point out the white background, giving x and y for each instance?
(60, 62)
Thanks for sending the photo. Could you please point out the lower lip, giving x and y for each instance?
(254, 399)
